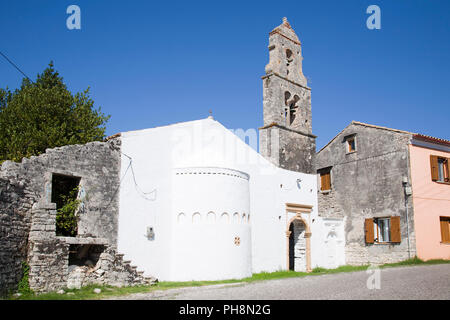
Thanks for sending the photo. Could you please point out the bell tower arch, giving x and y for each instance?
(286, 138)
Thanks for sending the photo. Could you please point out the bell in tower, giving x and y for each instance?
(286, 138)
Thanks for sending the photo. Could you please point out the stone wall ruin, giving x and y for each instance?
(28, 219)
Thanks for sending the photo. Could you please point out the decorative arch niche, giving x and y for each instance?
(181, 218)
(211, 217)
(196, 218)
(224, 218)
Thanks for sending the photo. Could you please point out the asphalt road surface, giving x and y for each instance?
(415, 282)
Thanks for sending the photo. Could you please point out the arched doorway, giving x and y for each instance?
(298, 253)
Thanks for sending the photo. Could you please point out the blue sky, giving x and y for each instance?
(152, 63)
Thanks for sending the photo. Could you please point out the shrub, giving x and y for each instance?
(66, 219)
(24, 285)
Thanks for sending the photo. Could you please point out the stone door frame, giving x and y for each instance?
(298, 209)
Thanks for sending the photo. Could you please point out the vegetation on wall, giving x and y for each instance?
(24, 286)
(45, 114)
(66, 219)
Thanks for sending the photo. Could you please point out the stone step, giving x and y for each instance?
(150, 279)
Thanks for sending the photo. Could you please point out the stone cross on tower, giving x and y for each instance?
(286, 138)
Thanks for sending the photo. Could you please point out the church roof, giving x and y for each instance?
(285, 30)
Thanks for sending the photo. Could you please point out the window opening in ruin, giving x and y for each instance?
(85, 254)
(64, 194)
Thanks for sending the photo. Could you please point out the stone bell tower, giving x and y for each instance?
(286, 138)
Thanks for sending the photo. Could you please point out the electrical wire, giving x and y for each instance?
(15, 66)
(138, 189)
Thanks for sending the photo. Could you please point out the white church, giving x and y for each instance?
(210, 207)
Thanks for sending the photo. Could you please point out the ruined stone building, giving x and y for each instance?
(193, 201)
(28, 219)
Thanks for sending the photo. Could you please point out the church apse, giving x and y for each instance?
(212, 240)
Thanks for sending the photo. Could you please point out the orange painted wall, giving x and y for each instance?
(431, 200)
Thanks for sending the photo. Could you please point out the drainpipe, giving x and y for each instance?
(408, 192)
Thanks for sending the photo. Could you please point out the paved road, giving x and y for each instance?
(417, 282)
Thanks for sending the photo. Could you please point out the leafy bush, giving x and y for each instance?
(24, 286)
(66, 219)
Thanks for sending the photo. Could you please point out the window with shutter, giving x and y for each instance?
(325, 179)
(445, 229)
(434, 168)
(382, 230)
(350, 142)
(351, 145)
(443, 172)
(369, 230)
(439, 169)
(396, 235)
(385, 230)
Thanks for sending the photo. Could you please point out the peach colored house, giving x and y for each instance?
(430, 181)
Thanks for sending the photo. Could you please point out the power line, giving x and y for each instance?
(15, 66)
(138, 189)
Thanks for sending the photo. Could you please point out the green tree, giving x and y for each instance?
(45, 114)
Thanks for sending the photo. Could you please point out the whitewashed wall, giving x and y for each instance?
(147, 204)
(211, 236)
(328, 247)
(157, 155)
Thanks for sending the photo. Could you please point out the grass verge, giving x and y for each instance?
(87, 292)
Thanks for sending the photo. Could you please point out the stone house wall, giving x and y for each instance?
(49, 258)
(368, 184)
(47, 253)
(14, 228)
